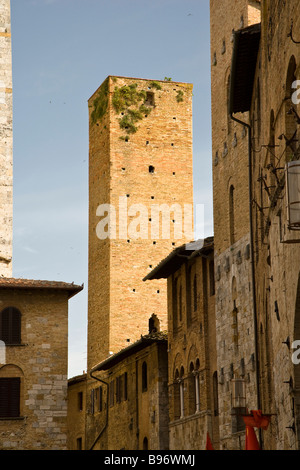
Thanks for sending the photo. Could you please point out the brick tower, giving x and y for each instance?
(5, 141)
(140, 158)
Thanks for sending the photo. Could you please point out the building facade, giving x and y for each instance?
(76, 412)
(192, 360)
(129, 407)
(34, 364)
(275, 129)
(6, 141)
(235, 325)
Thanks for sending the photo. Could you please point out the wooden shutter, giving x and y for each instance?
(111, 393)
(125, 386)
(9, 397)
(10, 326)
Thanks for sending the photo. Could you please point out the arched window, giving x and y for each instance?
(215, 393)
(144, 377)
(271, 150)
(193, 388)
(234, 312)
(189, 300)
(229, 122)
(145, 443)
(10, 326)
(195, 295)
(197, 385)
(176, 395)
(258, 111)
(181, 390)
(175, 304)
(290, 121)
(180, 302)
(231, 215)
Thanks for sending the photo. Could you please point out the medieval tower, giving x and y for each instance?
(140, 204)
(235, 328)
(6, 175)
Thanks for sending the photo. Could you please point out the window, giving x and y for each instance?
(145, 443)
(125, 386)
(9, 397)
(231, 214)
(92, 401)
(80, 401)
(175, 303)
(215, 393)
(176, 395)
(10, 326)
(181, 392)
(192, 385)
(99, 398)
(119, 389)
(179, 410)
(212, 277)
(195, 292)
(290, 121)
(144, 377)
(197, 386)
(79, 443)
(111, 393)
(180, 303)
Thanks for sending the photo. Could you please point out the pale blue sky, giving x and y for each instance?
(62, 51)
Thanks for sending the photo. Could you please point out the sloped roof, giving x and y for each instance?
(143, 342)
(14, 283)
(178, 256)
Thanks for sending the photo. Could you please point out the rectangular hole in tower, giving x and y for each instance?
(150, 99)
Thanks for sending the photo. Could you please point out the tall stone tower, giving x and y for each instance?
(140, 135)
(6, 164)
(236, 355)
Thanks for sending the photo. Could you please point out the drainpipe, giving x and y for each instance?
(252, 262)
(106, 415)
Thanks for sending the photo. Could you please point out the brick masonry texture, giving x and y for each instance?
(119, 300)
(41, 363)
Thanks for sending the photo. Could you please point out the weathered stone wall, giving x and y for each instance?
(6, 143)
(234, 308)
(192, 355)
(139, 413)
(76, 412)
(41, 362)
(277, 247)
(235, 335)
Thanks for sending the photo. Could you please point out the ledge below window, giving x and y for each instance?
(11, 418)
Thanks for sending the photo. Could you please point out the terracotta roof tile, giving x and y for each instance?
(144, 341)
(14, 283)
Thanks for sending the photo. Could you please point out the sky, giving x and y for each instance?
(62, 50)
